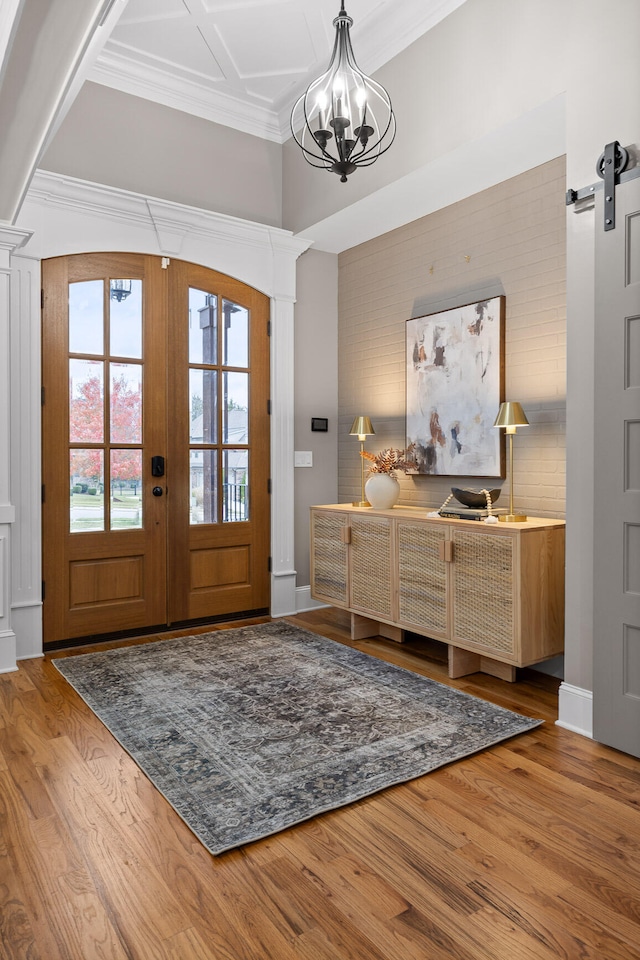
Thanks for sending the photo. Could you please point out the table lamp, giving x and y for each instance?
(361, 427)
(511, 416)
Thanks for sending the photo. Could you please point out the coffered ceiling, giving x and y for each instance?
(243, 63)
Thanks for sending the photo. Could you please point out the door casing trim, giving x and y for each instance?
(66, 216)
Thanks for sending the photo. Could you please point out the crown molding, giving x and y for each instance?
(151, 83)
(171, 221)
(375, 46)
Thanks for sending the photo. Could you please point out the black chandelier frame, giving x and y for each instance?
(333, 100)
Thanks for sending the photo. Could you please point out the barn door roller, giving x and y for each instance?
(612, 169)
(610, 165)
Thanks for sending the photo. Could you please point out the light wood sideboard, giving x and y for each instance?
(494, 593)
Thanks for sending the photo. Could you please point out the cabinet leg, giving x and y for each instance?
(496, 668)
(363, 627)
(462, 662)
(391, 633)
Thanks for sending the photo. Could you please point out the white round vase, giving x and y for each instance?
(382, 491)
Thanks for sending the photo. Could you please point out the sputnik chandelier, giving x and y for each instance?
(351, 113)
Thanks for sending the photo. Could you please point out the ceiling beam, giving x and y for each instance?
(44, 47)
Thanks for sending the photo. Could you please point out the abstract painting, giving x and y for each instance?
(455, 373)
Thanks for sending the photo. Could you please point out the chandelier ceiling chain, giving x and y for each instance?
(352, 113)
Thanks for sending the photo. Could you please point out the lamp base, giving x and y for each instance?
(360, 503)
(511, 517)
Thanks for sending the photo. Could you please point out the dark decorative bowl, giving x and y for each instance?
(474, 498)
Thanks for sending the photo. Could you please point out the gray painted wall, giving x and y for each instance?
(113, 138)
(316, 392)
(486, 64)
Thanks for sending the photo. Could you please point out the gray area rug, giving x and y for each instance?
(250, 730)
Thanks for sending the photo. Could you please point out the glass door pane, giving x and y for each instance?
(235, 485)
(203, 486)
(126, 403)
(125, 328)
(86, 480)
(203, 326)
(86, 313)
(236, 335)
(126, 489)
(86, 401)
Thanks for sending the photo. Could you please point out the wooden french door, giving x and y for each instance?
(155, 444)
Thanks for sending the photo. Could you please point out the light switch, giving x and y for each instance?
(303, 458)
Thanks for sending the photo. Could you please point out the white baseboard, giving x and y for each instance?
(7, 651)
(575, 709)
(283, 593)
(304, 600)
(26, 620)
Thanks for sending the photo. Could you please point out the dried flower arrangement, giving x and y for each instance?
(387, 461)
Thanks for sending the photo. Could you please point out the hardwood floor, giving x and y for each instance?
(527, 851)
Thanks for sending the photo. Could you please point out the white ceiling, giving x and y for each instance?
(243, 63)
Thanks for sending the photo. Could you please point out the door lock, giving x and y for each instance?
(157, 467)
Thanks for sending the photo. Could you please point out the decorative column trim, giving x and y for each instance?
(26, 410)
(11, 239)
(283, 573)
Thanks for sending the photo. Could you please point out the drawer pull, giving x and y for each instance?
(345, 534)
(446, 550)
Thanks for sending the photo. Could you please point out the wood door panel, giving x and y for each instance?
(220, 567)
(98, 581)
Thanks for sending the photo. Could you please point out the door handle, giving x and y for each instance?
(157, 491)
(157, 467)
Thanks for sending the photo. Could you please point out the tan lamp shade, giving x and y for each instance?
(361, 427)
(511, 414)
